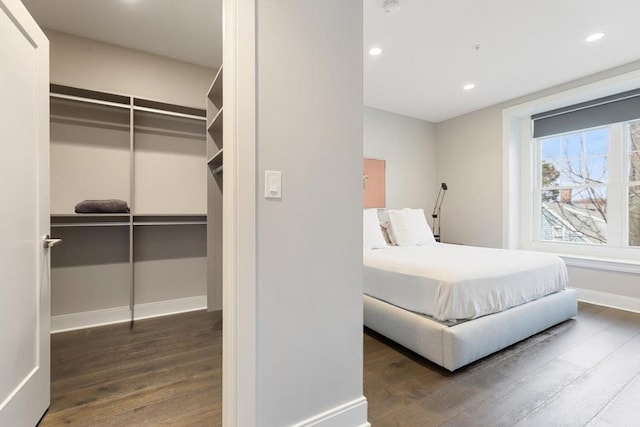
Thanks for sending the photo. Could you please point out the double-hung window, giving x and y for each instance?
(586, 177)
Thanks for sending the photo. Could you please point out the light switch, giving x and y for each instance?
(272, 184)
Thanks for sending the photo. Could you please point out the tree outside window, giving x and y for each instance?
(574, 177)
(633, 163)
(574, 180)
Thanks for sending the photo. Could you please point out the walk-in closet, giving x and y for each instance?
(150, 155)
(136, 173)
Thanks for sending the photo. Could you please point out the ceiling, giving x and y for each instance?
(188, 30)
(428, 49)
(526, 46)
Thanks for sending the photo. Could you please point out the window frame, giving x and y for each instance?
(617, 215)
(516, 197)
(627, 183)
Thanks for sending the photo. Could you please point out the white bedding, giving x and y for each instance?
(453, 282)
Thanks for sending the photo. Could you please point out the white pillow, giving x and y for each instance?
(410, 227)
(371, 232)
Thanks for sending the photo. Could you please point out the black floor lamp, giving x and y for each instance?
(436, 211)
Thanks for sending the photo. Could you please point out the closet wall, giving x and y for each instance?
(91, 273)
(80, 62)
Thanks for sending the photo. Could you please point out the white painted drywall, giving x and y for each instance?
(470, 159)
(90, 64)
(309, 257)
(612, 282)
(409, 149)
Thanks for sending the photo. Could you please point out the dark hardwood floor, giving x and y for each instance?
(164, 371)
(167, 371)
(583, 372)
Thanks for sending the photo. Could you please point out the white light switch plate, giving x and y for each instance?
(272, 184)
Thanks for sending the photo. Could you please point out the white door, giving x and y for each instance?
(24, 218)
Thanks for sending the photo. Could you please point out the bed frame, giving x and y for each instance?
(455, 346)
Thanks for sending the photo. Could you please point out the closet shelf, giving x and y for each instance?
(89, 220)
(90, 96)
(89, 100)
(170, 219)
(215, 90)
(216, 122)
(89, 224)
(165, 223)
(216, 159)
(169, 113)
(93, 215)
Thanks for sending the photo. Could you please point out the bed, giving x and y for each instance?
(455, 304)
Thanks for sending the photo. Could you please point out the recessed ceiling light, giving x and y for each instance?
(375, 51)
(593, 37)
(468, 86)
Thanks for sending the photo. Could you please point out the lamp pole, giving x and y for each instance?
(436, 210)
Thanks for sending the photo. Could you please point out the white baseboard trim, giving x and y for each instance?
(89, 319)
(174, 306)
(619, 302)
(350, 414)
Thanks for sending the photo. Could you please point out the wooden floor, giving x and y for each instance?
(583, 372)
(164, 371)
(167, 371)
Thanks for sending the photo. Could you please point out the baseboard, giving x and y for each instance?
(619, 302)
(350, 414)
(174, 306)
(89, 319)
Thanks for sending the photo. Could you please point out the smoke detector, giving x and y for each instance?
(391, 7)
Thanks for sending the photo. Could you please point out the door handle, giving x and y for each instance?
(48, 242)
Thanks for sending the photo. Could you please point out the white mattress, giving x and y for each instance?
(454, 282)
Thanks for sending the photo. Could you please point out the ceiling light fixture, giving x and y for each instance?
(391, 7)
(594, 37)
(375, 51)
(468, 86)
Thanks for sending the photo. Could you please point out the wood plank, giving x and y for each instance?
(544, 347)
(623, 410)
(581, 400)
(593, 350)
(163, 370)
(519, 398)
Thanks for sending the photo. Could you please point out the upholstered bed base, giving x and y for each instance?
(455, 346)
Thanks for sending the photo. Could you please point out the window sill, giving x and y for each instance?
(608, 264)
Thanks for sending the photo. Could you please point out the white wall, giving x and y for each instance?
(470, 160)
(309, 257)
(90, 64)
(408, 146)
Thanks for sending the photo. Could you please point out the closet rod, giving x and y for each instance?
(169, 113)
(89, 100)
(217, 170)
(90, 224)
(165, 223)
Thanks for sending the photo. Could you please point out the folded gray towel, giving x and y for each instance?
(102, 206)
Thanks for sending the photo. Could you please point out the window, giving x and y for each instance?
(633, 181)
(585, 177)
(574, 183)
